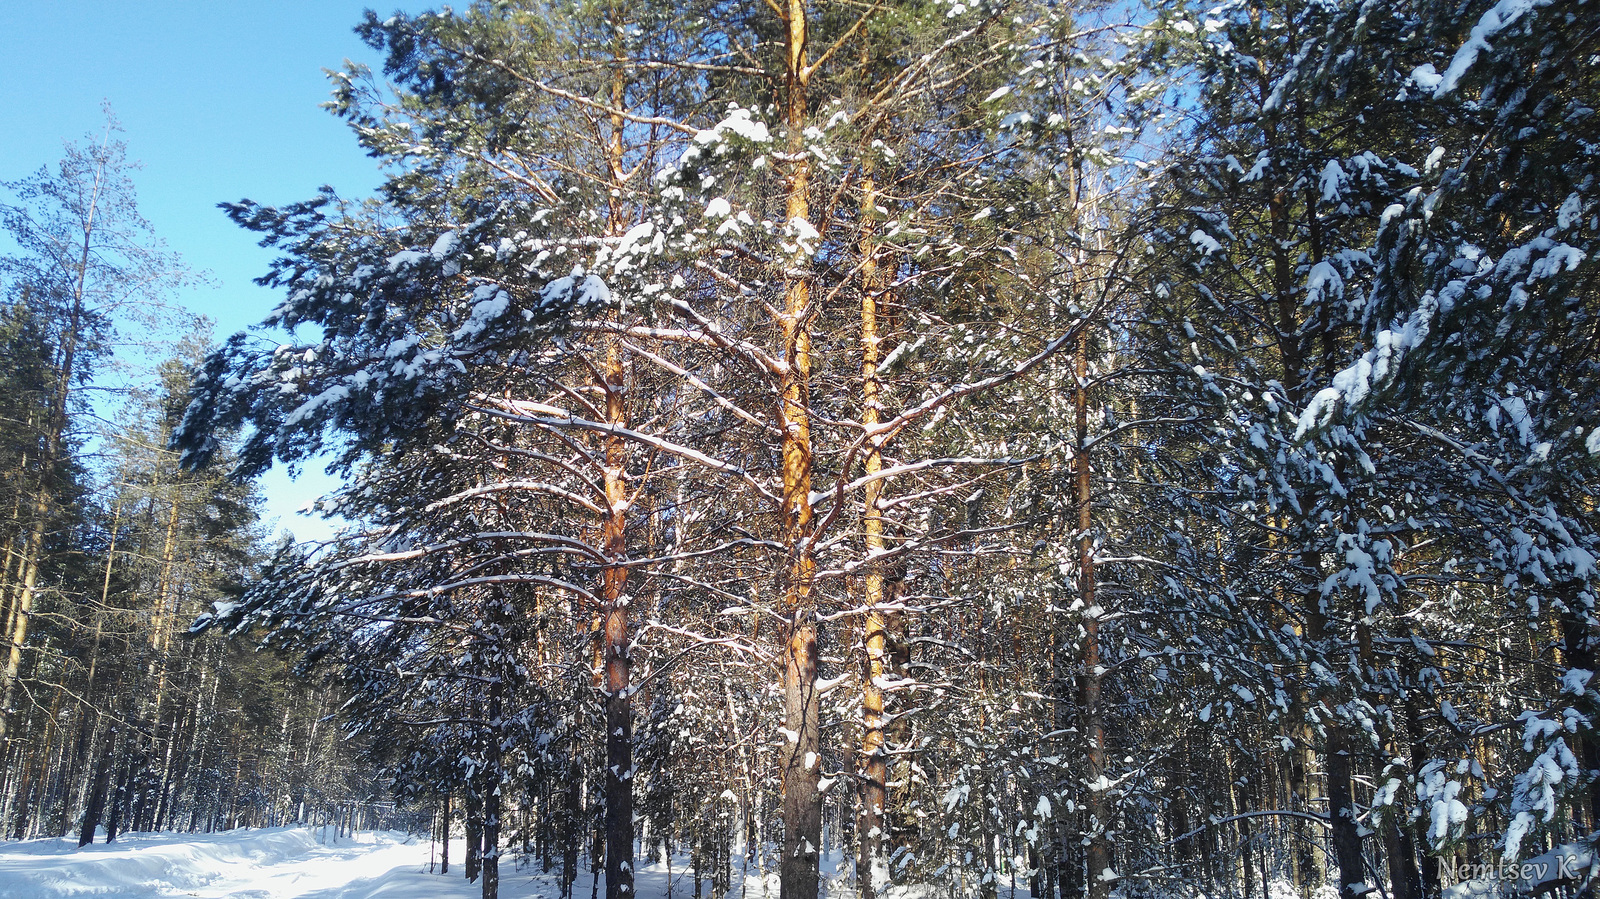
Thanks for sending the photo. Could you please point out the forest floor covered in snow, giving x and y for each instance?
(310, 863)
(284, 863)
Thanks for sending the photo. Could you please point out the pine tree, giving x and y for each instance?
(1364, 429)
(1475, 335)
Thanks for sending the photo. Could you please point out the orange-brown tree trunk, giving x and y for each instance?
(802, 799)
(613, 579)
(615, 661)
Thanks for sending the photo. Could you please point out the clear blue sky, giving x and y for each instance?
(219, 101)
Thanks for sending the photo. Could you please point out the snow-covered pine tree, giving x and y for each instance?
(924, 223)
(441, 386)
(1265, 239)
(453, 316)
(1409, 434)
(1478, 337)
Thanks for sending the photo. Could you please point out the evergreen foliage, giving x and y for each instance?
(1138, 452)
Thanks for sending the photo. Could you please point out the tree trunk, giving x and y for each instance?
(95, 807)
(618, 698)
(1098, 850)
(1313, 860)
(491, 801)
(872, 873)
(613, 578)
(572, 806)
(802, 800)
(802, 806)
(22, 810)
(22, 613)
(1404, 882)
(43, 501)
(1342, 814)
(1338, 760)
(160, 636)
(75, 782)
(119, 798)
(1429, 885)
(474, 828)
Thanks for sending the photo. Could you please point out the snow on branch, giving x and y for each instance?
(650, 440)
(461, 584)
(703, 387)
(514, 486)
(1497, 19)
(567, 544)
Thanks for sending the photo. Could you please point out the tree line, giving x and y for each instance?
(113, 720)
(1009, 447)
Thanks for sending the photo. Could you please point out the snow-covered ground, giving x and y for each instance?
(244, 864)
(309, 863)
(284, 863)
